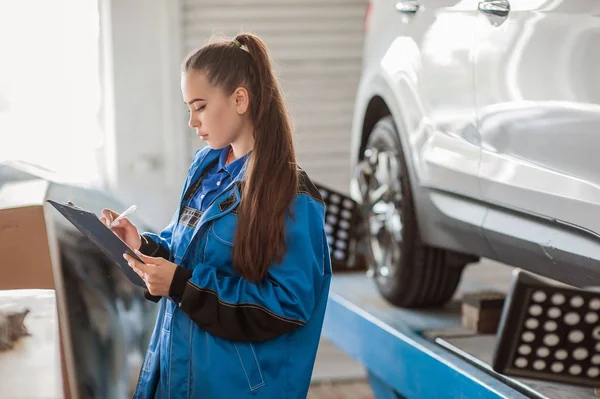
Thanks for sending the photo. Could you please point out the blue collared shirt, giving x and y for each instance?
(217, 179)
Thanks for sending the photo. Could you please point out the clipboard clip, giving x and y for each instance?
(72, 205)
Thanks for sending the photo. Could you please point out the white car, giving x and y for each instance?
(476, 133)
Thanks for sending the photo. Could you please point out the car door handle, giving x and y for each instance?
(499, 8)
(407, 6)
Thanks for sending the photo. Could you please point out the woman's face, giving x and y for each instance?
(217, 116)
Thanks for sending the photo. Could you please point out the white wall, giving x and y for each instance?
(143, 113)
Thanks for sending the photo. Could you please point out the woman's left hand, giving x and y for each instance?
(156, 272)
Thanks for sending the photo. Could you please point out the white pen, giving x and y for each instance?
(122, 215)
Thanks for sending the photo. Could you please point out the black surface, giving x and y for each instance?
(481, 347)
(340, 224)
(107, 241)
(549, 333)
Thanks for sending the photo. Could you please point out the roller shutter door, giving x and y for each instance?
(317, 49)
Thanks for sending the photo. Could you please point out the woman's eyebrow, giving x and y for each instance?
(194, 100)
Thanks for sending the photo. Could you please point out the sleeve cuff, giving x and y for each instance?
(150, 247)
(151, 297)
(180, 279)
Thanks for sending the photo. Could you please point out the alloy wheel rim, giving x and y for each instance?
(379, 175)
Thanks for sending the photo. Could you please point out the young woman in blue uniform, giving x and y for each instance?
(242, 272)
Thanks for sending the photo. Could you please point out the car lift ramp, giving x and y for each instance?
(426, 354)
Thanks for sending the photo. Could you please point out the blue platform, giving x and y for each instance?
(416, 354)
(387, 341)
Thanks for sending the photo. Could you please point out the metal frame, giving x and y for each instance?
(396, 355)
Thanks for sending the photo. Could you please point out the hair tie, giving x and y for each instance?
(237, 43)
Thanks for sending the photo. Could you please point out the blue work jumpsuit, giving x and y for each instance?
(218, 335)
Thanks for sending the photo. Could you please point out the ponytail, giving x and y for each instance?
(271, 177)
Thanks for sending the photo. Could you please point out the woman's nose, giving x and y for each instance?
(193, 122)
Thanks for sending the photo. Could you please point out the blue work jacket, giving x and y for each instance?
(225, 337)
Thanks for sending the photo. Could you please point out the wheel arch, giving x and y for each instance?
(377, 109)
(435, 227)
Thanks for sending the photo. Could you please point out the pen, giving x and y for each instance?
(122, 215)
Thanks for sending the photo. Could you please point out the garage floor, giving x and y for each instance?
(337, 376)
(340, 390)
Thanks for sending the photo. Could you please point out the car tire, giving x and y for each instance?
(419, 275)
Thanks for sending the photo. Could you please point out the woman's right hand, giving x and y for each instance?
(124, 229)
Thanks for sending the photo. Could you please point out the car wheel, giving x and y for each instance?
(407, 272)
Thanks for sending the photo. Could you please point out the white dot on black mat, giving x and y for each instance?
(335, 198)
(543, 351)
(528, 336)
(596, 333)
(343, 234)
(558, 299)
(333, 208)
(575, 369)
(554, 313)
(561, 354)
(532, 324)
(328, 229)
(591, 317)
(596, 359)
(344, 224)
(521, 362)
(539, 296)
(577, 301)
(576, 336)
(550, 326)
(539, 365)
(598, 347)
(580, 353)
(535, 310)
(595, 304)
(593, 372)
(557, 367)
(331, 219)
(572, 318)
(348, 204)
(551, 339)
(340, 244)
(525, 350)
(338, 254)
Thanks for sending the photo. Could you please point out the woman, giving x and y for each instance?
(242, 272)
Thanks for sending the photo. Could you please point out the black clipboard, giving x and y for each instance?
(109, 243)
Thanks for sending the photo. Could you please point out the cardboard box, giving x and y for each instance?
(30, 256)
(25, 244)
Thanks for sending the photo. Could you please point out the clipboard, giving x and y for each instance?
(109, 243)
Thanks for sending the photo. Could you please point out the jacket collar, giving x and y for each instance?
(225, 202)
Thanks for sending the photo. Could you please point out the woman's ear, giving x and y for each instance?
(242, 100)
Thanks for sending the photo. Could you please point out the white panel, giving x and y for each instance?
(316, 46)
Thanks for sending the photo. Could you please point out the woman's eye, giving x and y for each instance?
(201, 108)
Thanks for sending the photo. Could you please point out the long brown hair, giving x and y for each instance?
(271, 177)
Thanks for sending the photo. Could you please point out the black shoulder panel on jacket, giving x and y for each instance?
(306, 186)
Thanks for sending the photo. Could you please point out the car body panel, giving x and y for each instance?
(409, 63)
(498, 131)
(538, 105)
(435, 119)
